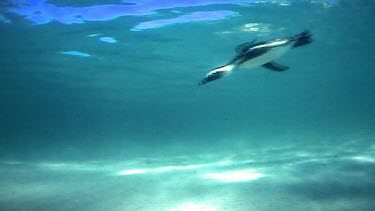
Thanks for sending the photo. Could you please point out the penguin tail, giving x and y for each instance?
(302, 39)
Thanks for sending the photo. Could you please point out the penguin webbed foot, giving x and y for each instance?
(275, 66)
(302, 39)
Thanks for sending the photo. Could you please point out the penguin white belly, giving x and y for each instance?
(270, 55)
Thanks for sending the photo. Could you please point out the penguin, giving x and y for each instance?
(253, 54)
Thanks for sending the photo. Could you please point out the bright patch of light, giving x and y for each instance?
(284, 3)
(76, 53)
(364, 159)
(192, 17)
(244, 174)
(94, 35)
(235, 176)
(108, 39)
(134, 171)
(194, 207)
(251, 28)
(164, 169)
(255, 27)
(302, 154)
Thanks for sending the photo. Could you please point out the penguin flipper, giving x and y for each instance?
(275, 66)
(244, 47)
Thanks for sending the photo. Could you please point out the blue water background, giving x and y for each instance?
(109, 91)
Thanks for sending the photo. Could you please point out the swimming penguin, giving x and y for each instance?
(254, 54)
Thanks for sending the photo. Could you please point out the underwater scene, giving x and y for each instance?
(187, 105)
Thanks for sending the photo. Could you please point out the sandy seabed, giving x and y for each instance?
(275, 178)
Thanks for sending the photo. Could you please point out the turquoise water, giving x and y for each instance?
(101, 108)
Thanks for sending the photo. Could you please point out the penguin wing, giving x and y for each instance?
(241, 49)
(275, 66)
